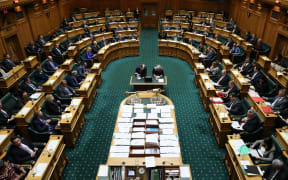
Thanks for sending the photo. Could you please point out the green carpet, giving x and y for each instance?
(198, 145)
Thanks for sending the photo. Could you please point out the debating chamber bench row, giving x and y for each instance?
(53, 159)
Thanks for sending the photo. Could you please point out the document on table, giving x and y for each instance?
(166, 120)
(103, 171)
(66, 115)
(124, 125)
(169, 143)
(138, 135)
(139, 123)
(152, 116)
(120, 149)
(165, 110)
(138, 151)
(122, 120)
(137, 106)
(137, 142)
(155, 111)
(285, 135)
(166, 126)
(236, 125)
(127, 110)
(75, 102)
(245, 163)
(139, 129)
(151, 122)
(161, 80)
(58, 73)
(122, 142)
(126, 114)
(169, 150)
(141, 115)
(167, 131)
(168, 137)
(35, 96)
(165, 115)
(150, 162)
(52, 145)
(151, 106)
(24, 110)
(124, 130)
(139, 110)
(39, 169)
(185, 172)
(119, 155)
(2, 137)
(122, 135)
(85, 85)
(152, 139)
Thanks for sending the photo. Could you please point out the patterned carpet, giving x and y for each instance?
(198, 145)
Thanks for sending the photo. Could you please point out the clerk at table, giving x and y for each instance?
(141, 71)
(158, 72)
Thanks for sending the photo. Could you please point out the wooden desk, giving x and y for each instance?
(127, 33)
(241, 82)
(247, 47)
(97, 69)
(83, 43)
(280, 77)
(5, 135)
(233, 162)
(206, 90)
(264, 62)
(213, 42)
(129, 14)
(132, 161)
(53, 81)
(269, 119)
(224, 51)
(141, 85)
(117, 50)
(59, 39)
(200, 27)
(222, 32)
(221, 24)
(26, 113)
(52, 160)
(173, 33)
(71, 123)
(133, 24)
(198, 37)
(179, 18)
(91, 14)
(88, 91)
(116, 18)
(198, 69)
(237, 39)
(168, 12)
(197, 20)
(91, 21)
(48, 47)
(99, 37)
(101, 20)
(17, 73)
(281, 135)
(67, 65)
(219, 16)
(227, 64)
(76, 24)
(97, 27)
(75, 32)
(220, 122)
(114, 25)
(30, 63)
(72, 51)
(78, 16)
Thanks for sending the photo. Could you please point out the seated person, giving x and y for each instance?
(50, 64)
(235, 30)
(279, 63)
(255, 75)
(227, 91)
(217, 37)
(104, 41)
(158, 72)
(95, 47)
(258, 46)
(235, 50)
(244, 68)
(33, 49)
(8, 171)
(279, 102)
(223, 80)
(234, 107)
(89, 54)
(82, 71)
(133, 37)
(206, 32)
(41, 40)
(276, 171)
(210, 55)
(22, 99)
(202, 48)
(141, 71)
(249, 123)
(213, 70)
(57, 52)
(22, 150)
(121, 38)
(43, 124)
(72, 80)
(6, 119)
(247, 36)
(30, 87)
(261, 86)
(7, 63)
(40, 76)
(175, 37)
(253, 39)
(65, 91)
(53, 106)
(3, 71)
(229, 43)
(266, 148)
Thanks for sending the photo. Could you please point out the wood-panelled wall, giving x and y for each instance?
(37, 19)
(259, 20)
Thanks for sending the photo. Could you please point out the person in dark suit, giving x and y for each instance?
(33, 49)
(141, 71)
(276, 171)
(53, 107)
(104, 42)
(95, 47)
(7, 63)
(57, 53)
(279, 102)
(223, 80)
(261, 86)
(6, 119)
(3, 71)
(65, 91)
(229, 43)
(30, 87)
(158, 72)
(41, 40)
(251, 122)
(50, 64)
(234, 107)
(40, 76)
(245, 68)
(231, 89)
(247, 36)
(43, 124)
(235, 30)
(235, 50)
(72, 80)
(253, 39)
(255, 76)
(22, 150)
(82, 71)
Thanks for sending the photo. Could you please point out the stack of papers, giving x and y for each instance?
(165, 115)
(124, 130)
(167, 131)
(161, 80)
(86, 85)
(137, 106)
(140, 110)
(126, 114)
(151, 106)
(66, 116)
(139, 129)
(24, 110)
(75, 102)
(137, 142)
(35, 96)
(151, 122)
(122, 135)
(120, 149)
(169, 150)
(137, 151)
(138, 135)
(2, 137)
(39, 169)
(152, 139)
(166, 120)
(122, 142)
(124, 125)
(166, 126)
(155, 111)
(141, 116)
(52, 145)
(152, 116)
(168, 143)
(124, 120)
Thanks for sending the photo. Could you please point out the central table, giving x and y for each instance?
(141, 85)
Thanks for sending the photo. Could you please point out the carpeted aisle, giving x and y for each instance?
(198, 145)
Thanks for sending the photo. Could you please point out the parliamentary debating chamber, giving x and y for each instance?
(144, 89)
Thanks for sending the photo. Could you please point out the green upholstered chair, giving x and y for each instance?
(240, 57)
(9, 102)
(255, 135)
(37, 136)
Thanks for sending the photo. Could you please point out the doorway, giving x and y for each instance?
(14, 48)
(149, 14)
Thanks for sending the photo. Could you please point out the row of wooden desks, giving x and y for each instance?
(206, 90)
(282, 137)
(5, 136)
(53, 81)
(15, 74)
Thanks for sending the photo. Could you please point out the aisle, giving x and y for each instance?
(198, 145)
